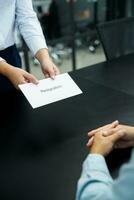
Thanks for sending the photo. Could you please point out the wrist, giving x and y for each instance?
(43, 56)
(5, 68)
(96, 151)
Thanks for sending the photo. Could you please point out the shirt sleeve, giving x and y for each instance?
(96, 183)
(29, 26)
(95, 178)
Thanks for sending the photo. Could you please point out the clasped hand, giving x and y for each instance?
(102, 140)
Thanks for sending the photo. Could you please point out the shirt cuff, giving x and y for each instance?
(36, 43)
(95, 162)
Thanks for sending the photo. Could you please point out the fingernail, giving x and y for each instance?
(87, 145)
(116, 122)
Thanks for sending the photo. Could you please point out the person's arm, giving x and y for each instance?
(48, 67)
(16, 75)
(95, 179)
(95, 182)
(31, 31)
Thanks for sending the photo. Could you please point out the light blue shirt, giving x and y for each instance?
(96, 183)
(20, 13)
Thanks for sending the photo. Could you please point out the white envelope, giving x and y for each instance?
(49, 91)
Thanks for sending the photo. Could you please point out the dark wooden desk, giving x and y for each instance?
(41, 150)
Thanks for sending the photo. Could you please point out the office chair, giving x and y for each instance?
(117, 37)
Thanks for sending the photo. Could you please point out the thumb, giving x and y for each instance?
(90, 142)
(116, 136)
(30, 78)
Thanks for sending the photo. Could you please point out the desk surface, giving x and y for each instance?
(41, 150)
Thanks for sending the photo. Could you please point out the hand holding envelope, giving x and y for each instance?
(49, 91)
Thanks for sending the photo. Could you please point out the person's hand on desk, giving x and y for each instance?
(127, 132)
(104, 144)
(16, 75)
(127, 140)
(49, 69)
(103, 128)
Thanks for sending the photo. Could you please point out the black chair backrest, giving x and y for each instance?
(117, 37)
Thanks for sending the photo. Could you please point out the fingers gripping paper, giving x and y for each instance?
(49, 91)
